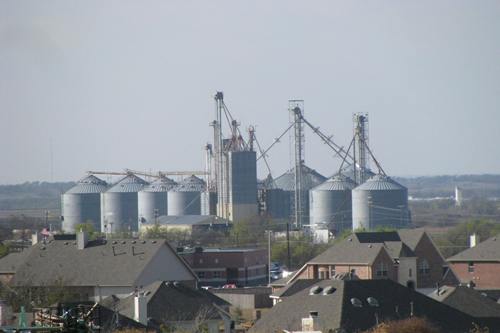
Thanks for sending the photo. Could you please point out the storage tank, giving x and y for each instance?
(286, 182)
(380, 202)
(82, 204)
(330, 203)
(209, 203)
(119, 205)
(185, 198)
(153, 200)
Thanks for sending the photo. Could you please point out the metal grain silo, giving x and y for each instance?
(82, 203)
(380, 202)
(330, 203)
(185, 198)
(286, 182)
(119, 205)
(153, 200)
(209, 203)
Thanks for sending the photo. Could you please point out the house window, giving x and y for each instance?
(200, 261)
(323, 275)
(216, 260)
(201, 275)
(423, 267)
(471, 267)
(216, 275)
(382, 269)
(410, 273)
(332, 271)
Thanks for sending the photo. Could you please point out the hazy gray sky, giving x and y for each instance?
(129, 84)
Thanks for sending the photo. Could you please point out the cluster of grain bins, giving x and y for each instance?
(330, 203)
(281, 197)
(131, 202)
(378, 202)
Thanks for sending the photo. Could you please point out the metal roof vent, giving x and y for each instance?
(315, 290)
(356, 302)
(329, 290)
(373, 302)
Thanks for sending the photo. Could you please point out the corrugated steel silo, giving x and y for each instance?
(209, 203)
(119, 205)
(380, 202)
(153, 200)
(330, 203)
(185, 198)
(286, 182)
(82, 203)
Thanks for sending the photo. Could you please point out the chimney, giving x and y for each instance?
(473, 240)
(140, 308)
(35, 238)
(311, 323)
(81, 240)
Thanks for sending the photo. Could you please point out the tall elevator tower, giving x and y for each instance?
(361, 160)
(235, 166)
(296, 108)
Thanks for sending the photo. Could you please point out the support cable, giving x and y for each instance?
(273, 185)
(263, 154)
(336, 148)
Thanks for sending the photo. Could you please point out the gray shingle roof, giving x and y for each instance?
(167, 301)
(104, 263)
(11, 262)
(336, 311)
(349, 251)
(467, 300)
(489, 250)
(411, 237)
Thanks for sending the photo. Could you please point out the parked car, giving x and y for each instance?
(276, 271)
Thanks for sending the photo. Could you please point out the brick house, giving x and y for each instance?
(479, 264)
(217, 267)
(406, 256)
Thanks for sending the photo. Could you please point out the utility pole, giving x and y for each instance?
(288, 246)
(269, 256)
